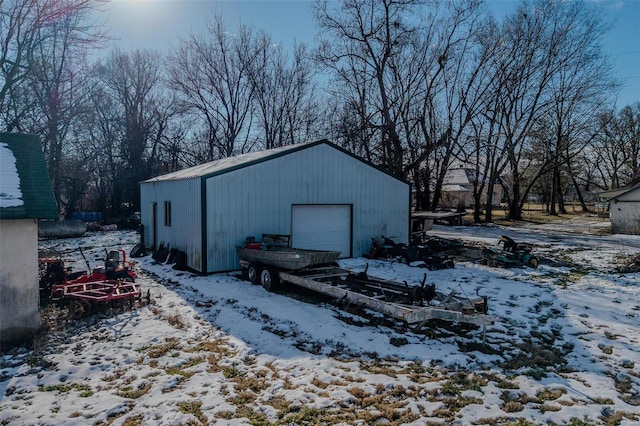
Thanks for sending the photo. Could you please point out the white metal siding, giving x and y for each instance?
(185, 231)
(19, 315)
(322, 227)
(624, 212)
(257, 199)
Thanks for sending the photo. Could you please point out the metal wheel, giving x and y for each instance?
(269, 279)
(78, 308)
(254, 274)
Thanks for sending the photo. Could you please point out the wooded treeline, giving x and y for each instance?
(413, 86)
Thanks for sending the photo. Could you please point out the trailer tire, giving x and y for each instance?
(254, 274)
(269, 279)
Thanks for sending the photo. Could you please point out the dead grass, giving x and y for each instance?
(533, 213)
(131, 392)
(193, 408)
(157, 351)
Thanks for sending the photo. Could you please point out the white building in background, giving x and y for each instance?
(624, 208)
(457, 188)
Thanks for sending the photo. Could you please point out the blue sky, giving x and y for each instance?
(158, 24)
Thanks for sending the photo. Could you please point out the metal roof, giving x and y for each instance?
(25, 188)
(229, 164)
(615, 193)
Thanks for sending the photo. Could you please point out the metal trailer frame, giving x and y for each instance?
(384, 296)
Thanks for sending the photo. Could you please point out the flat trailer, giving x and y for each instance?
(413, 305)
(273, 262)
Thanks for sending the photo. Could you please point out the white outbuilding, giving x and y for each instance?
(25, 197)
(624, 208)
(321, 195)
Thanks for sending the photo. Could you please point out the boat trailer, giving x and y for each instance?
(413, 305)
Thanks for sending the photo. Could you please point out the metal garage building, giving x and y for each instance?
(323, 196)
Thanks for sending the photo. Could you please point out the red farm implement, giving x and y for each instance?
(87, 298)
(111, 286)
(116, 267)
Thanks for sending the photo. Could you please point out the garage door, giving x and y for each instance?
(322, 227)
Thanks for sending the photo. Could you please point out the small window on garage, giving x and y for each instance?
(167, 213)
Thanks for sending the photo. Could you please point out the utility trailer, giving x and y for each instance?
(413, 305)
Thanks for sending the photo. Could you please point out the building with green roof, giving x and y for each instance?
(25, 196)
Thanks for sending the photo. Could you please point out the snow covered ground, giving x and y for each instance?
(217, 350)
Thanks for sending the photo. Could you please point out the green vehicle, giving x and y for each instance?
(510, 254)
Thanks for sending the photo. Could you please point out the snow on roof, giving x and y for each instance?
(10, 194)
(230, 163)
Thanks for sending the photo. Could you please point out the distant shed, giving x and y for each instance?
(624, 208)
(320, 194)
(25, 197)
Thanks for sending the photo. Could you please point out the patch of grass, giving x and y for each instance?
(134, 420)
(603, 401)
(114, 376)
(255, 418)
(62, 388)
(457, 403)
(545, 407)
(616, 418)
(574, 421)
(193, 408)
(550, 394)
(305, 416)
(538, 354)
(243, 398)
(630, 264)
(157, 351)
(500, 382)
(280, 403)
(512, 407)
(494, 421)
(231, 372)
(226, 415)
(179, 371)
(319, 383)
(379, 367)
(130, 392)
(253, 384)
(176, 321)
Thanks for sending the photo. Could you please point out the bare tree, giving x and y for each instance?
(29, 27)
(212, 77)
(616, 150)
(361, 38)
(133, 81)
(283, 94)
(548, 58)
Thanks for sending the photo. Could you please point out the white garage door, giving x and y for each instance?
(322, 227)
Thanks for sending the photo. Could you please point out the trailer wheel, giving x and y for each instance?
(269, 279)
(254, 274)
(78, 308)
